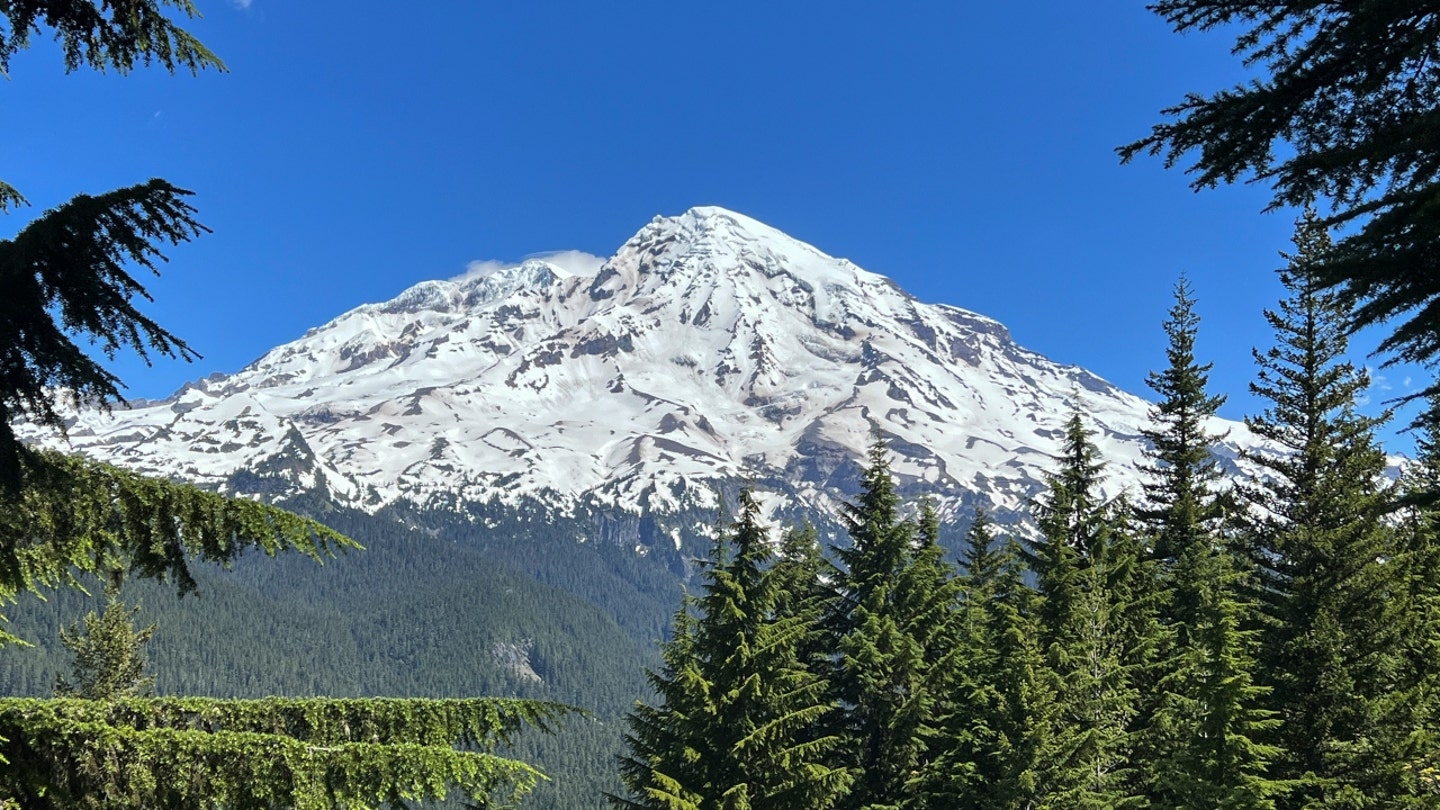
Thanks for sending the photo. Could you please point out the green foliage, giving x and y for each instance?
(72, 515)
(65, 277)
(1203, 723)
(311, 753)
(424, 612)
(1334, 599)
(1206, 735)
(895, 621)
(1419, 540)
(996, 719)
(1344, 108)
(109, 652)
(107, 34)
(738, 724)
(1182, 507)
(1082, 563)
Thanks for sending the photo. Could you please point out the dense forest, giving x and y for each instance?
(413, 615)
(1265, 642)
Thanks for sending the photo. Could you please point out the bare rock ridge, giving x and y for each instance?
(710, 347)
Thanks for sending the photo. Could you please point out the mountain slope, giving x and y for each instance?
(709, 348)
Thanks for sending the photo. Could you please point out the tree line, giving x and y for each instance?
(1257, 642)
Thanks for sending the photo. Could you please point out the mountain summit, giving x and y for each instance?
(709, 348)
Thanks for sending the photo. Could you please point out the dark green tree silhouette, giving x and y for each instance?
(1084, 566)
(1344, 109)
(1333, 598)
(1419, 538)
(999, 713)
(1181, 507)
(895, 621)
(737, 724)
(1200, 736)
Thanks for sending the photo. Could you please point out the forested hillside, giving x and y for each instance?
(413, 615)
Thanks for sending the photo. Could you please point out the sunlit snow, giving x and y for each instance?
(710, 346)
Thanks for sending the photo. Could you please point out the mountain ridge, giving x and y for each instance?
(710, 347)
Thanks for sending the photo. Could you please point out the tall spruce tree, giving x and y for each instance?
(928, 599)
(1200, 736)
(801, 595)
(1182, 507)
(1333, 596)
(893, 614)
(737, 727)
(1081, 556)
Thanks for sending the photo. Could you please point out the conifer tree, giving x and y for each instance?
(801, 596)
(1334, 602)
(928, 599)
(1079, 557)
(1182, 508)
(109, 653)
(893, 612)
(1341, 105)
(1419, 537)
(739, 710)
(306, 754)
(1000, 711)
(1200, 736)
(1024, 724)
(959, 771)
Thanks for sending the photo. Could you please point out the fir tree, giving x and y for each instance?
(1419, 537)
(999, 711)
(801, 596)
(893, 611)
(739, 709)
(1023, 724)
(1182, 507)
(1201, 731)
(1080, 556)
(1333, 598)
(306, 754)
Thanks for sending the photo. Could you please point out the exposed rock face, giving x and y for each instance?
(710, 347)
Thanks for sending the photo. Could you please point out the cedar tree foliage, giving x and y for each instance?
(1345, 108)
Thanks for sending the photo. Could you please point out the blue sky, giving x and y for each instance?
(963, 149)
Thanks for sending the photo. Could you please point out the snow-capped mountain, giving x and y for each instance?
(709, 347)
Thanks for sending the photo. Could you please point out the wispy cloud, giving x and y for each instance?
(572, 262)
(241, 4)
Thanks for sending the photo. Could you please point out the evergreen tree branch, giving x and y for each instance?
(71, 515)
(65, 277)
(114, 34)
(310, 753)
